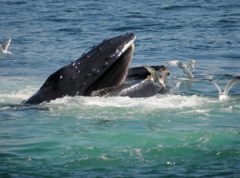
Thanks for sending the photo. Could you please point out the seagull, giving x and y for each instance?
(187, 68)
(4, 48)
(223, 95)
(159, 76)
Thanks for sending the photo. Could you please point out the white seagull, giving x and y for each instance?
(223, 95)
(158, 76)
(4, 48)
(187, 68)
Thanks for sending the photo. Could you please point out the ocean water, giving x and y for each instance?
(185, 133)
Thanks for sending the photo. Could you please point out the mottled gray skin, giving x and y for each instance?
(106, 65)
(135, 87)
(154, 83)
(144, 88)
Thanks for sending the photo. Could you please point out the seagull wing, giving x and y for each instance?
(6, 44)
(152, 71)
(177, 63)
(191, 65)
(186, 68)
(216, 85)
(174, 63)
(229, 85)
(181, 65)
(157, 76)
(189, 68)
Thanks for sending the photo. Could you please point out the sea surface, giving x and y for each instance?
(187, 132)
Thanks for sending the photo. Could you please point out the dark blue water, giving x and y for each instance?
(189, 133)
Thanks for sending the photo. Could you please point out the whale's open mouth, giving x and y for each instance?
(117, 72)
(105, 65)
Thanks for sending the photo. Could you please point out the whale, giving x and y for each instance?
(105, 66)
(144, 81)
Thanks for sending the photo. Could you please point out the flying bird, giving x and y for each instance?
(4, 47)
(187, 68)
(223, 94)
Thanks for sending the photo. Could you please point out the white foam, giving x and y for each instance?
(16, 89)
(160, 101)
(16, 96)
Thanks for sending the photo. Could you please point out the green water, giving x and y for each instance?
(167, 136)
(188, 133)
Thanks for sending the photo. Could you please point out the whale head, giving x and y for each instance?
(105, 65)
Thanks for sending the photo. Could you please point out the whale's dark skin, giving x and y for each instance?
(141, 72)
(104, 66)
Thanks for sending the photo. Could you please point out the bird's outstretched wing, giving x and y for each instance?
(6, 44)
(191, 65)
(176, 63)
(229, 85)
(216, 85)
(159, 77)
(152, 71)
(186, 68)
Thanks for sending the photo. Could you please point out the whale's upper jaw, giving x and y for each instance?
(114, 66)
(105, 65)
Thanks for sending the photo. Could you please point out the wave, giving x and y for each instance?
(181, 7)
(127, 28)
(16, 95)
(156, 102)
(15, 3)
(16, 92)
